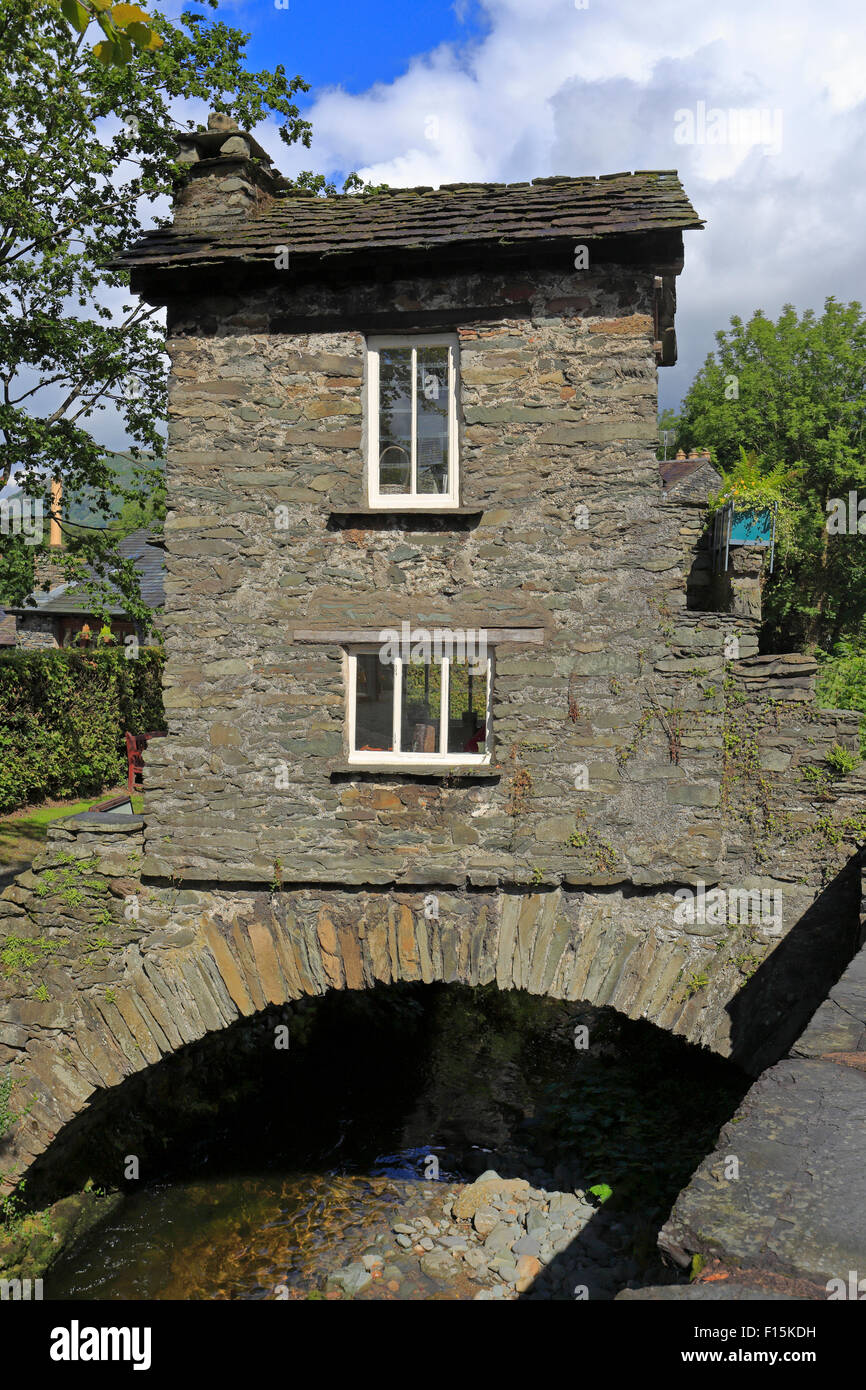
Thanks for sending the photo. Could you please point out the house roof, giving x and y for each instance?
(546, 209)
(695, 474)
(140, 547)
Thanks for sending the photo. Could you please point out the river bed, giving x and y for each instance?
(348, 1166)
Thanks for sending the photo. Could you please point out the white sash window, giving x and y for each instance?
(412, 422)
(431, 709)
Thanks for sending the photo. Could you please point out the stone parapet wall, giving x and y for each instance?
(62, 920)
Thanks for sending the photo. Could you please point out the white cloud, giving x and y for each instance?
(556, 89)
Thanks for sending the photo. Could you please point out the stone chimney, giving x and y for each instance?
(230, 175)
(55, 534)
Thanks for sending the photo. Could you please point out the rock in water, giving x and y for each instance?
(439, 1264)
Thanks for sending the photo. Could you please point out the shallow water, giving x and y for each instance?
(268, 1175)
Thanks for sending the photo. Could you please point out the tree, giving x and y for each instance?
(126, 28)
(86, 147)
(794, 392)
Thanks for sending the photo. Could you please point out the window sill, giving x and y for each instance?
(351, 516)
(477, 771)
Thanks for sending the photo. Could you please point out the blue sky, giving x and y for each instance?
(350, 43)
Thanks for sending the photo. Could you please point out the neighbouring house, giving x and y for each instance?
(60, 609)
(63, 615)
(450, 692)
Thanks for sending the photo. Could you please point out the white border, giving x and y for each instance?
(414, 501)
(375, 759)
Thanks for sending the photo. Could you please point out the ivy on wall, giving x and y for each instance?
(63, 715)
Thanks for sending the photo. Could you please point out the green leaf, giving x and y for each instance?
(77, 15)
(104, 51)
(601, 1191)
(140, 35)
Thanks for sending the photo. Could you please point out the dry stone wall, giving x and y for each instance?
(558, 400)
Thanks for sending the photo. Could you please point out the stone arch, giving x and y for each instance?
(219, 956)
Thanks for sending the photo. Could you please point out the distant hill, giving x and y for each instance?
(83, 509)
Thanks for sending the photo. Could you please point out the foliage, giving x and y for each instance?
(63, 714)
(751, 484)
(19, 954)
(842, 680)
(754, 486)
(601, 1191)
(842, 760)
(317, 184)
(793, 391)
(126, 28)
(7, 1117)
(87, 148)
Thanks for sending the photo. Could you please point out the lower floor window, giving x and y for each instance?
(429, 710)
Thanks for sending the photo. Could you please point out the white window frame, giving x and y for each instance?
(411, 501)
(389, 758)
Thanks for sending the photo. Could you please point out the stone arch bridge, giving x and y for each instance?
(104, 976)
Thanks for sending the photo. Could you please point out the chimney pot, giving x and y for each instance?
(218, 120)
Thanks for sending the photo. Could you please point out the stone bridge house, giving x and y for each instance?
(438, 408)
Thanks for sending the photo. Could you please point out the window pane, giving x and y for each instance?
(374, 704)
(395, 419)
(467, 709)
(432, 418)
(422, 707)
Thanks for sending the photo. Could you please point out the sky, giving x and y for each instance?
(509, 90)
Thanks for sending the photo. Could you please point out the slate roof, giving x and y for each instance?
(693, 476)
(426, 218)
(140, 547)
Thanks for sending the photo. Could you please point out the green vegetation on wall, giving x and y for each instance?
(842, 680)
(63, 715)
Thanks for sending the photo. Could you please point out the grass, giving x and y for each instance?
(23, 833)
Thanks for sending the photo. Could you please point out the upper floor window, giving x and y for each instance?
(412, 414)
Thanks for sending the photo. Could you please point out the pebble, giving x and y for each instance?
(438, 1264)
(350, 1280)
(527, 1245)
(502, 1235)
(484, 1220)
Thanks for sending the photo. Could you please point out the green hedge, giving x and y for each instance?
(842, 680)
(63, 714)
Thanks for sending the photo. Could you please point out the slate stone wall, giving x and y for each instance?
(694, 750)
(558, 410)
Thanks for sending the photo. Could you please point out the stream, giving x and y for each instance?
(411, 1142)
